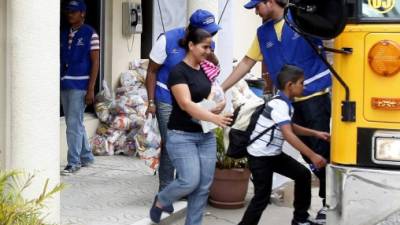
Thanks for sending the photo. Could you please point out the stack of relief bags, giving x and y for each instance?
(124, 127)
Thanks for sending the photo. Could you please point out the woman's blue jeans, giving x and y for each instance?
(194, 158)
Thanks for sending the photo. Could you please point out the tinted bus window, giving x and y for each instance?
(380, 9)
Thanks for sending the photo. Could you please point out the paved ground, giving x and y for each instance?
(273, 215)
(119, 190)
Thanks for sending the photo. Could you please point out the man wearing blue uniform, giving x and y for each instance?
(165, 54)
(276, 44)
(79, 62)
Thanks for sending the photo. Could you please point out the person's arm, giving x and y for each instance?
(94, 71)
(157, 57)
(303, 131)
(182, 95)
(239, 72)
(151, 79)
(292, 139)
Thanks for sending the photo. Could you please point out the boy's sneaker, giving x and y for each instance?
(307, 222)
(68, 170)
(321, 216)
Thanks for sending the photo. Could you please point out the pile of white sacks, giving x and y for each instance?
(124, 127)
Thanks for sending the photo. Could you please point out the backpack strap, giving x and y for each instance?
(272, 135)
(273, 127)
(261, 134)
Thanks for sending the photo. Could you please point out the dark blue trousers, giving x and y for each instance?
(315, 113)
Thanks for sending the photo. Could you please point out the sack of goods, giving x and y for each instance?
(124, 128)
(148, 142)
(247, 108)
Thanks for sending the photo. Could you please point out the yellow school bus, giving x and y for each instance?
(363, 178)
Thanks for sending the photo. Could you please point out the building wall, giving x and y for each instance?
(2, 80)
(211, 6)
(246, 23)
(122, 49)
(174, 14)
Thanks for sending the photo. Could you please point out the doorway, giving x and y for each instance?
(95, 18)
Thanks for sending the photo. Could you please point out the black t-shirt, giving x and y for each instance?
(199, 87)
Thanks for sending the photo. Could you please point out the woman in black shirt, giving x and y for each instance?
(192, 152)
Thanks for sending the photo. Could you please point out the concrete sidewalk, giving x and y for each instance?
(116, 190)
(119, 190)
(273, 215)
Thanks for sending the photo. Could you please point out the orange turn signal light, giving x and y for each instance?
(384, 58)
(386, 103)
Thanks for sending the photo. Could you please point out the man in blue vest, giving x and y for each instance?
(165, 54)
(79, 68)
(276, 44)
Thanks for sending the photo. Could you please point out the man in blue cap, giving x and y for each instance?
(164, 55)
(79, 61)
(276, 44)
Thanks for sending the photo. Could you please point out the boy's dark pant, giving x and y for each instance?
(262, 169)
(315, 113)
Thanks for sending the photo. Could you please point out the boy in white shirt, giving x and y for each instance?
(266, 156)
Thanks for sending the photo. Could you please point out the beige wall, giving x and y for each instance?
(211, 6)
(120, 56)
(246, 24)
(2, 80)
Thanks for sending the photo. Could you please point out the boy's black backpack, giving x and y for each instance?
(244, 121)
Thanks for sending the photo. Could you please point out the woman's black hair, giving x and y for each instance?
(194, 35)
(289, 73)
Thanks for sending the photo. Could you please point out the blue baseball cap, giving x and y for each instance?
(253, 3)
(205, 20)
(76, 5)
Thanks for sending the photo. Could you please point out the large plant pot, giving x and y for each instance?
(229, 188)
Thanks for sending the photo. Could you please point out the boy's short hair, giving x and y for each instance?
(289, 73)
(282, 3)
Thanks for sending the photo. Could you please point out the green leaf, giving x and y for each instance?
(14, 208)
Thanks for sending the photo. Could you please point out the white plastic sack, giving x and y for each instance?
(128, 78)
(124, 105)
(241, 93)
(217, 94)
(104, 103)
(100, 146)
(121, 122)
(148, 142)
(124, 146)
(140, 66)
(137, 122)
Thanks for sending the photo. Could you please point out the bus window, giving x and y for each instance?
(376, 9)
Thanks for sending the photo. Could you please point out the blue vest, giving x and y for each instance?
(75, 62)
(293, 49)
(175, 55)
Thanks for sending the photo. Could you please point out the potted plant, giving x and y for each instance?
(231, 178)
